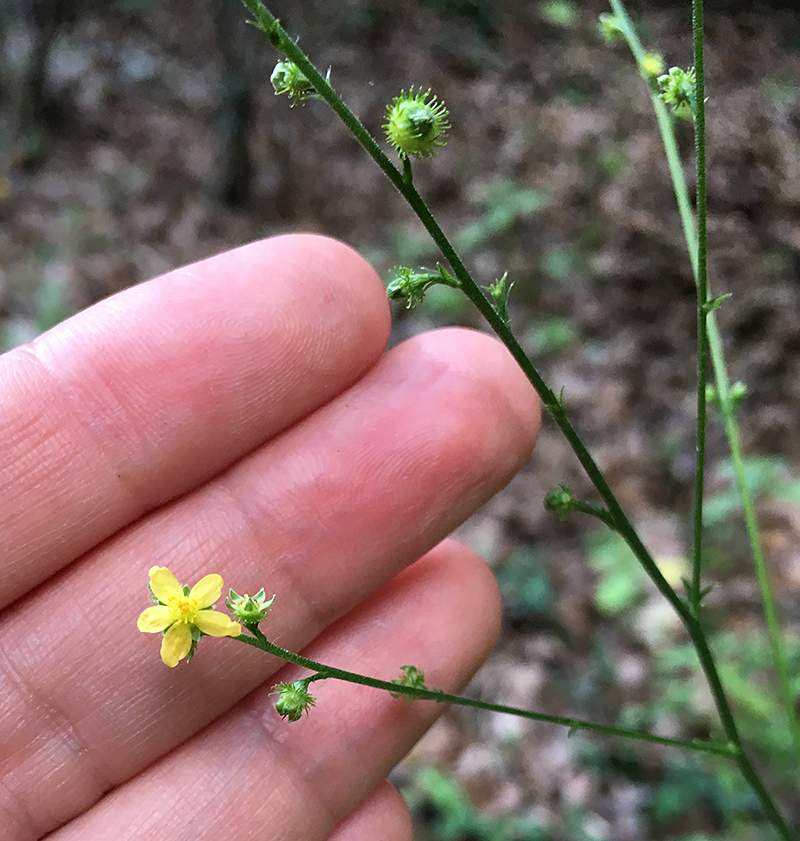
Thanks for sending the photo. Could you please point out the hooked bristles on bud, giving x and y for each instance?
(294, 699)
(416, 124)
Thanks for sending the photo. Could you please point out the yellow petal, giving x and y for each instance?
(176, 644)
(164, 585)
(154, 619)
(207, 590)
(217, 624)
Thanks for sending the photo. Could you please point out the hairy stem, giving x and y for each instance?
(323, 671)
(473, 291)
(281, 41)
(692, 235)
(722, 381)
(695, 586)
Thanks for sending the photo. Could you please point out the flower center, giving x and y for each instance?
(183, 609)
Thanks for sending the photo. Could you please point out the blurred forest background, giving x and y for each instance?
(139, 135)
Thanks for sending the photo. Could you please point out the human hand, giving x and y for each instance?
(239, 416)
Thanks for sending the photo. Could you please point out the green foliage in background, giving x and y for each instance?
(526, 586)
(707, 787)
(766, 477)
(620, 580)
(502, 203)
(554, 333)
(445, 812)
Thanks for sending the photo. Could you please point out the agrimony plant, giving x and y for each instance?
(416, 127)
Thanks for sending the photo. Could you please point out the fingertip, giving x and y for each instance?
(153, 391)
(501, 383)
(468, 583)
(482, 414)
(342, 277)
(383, 816)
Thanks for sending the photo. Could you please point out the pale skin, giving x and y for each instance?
(240, 416)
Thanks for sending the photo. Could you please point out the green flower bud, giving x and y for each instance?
(609, 28)
(250, 610)
(412, 676)
(738, 392)
(410, 285)
(679, 90)
(294, 699)
(499, 292)
(416, 124)
(288, 78)
(560, 500)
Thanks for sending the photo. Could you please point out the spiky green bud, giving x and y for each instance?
(294, 699)
(560, 500)
(288, 78)
(416, 124)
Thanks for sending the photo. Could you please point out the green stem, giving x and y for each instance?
(770, 613)
(472, 290)
(702, 308)
(622, 524)
(746, 767)
(408, 174)
(323, 671)
(727, 407)
(693, 236)
(665, 127)
(594, 511)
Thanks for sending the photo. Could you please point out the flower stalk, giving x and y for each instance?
(410, 688)
(688, 610)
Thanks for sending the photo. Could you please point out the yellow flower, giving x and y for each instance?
(182, 613)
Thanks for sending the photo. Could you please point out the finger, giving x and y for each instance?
(252, 771)
(145, 395)
(383, 816)
(322, 515)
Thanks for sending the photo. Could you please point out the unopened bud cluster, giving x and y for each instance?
(679, 90)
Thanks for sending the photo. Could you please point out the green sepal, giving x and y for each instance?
(412, 676)
(713, 303)
(410, 285)
(499, 292)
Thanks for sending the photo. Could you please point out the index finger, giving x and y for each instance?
(154, 390)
